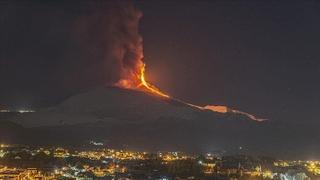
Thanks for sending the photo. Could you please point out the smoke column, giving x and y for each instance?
(127, 44)
(107, 37)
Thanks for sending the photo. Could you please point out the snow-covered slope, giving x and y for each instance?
(114, 104)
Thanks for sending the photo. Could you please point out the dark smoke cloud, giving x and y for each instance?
(62, 48)
(110, 34)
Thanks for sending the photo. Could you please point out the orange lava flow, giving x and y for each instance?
(220, 109)
(137, 81)
(147, 86)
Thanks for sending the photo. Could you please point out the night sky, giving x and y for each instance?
(259, 57)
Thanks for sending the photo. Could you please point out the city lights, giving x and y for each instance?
(113, 163)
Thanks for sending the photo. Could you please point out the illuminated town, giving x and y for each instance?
(98, 162)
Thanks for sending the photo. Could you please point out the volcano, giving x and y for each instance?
(122, 116)
(141, 121)
(108, 104)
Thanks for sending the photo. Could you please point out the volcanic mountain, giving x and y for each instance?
(119, 113)
(108, 104)
(138, 120)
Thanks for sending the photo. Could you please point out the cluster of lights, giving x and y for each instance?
(25, 111)
(281, 163)
(112, 154)
(21, 173)
(4, 110)
(313, 167)
(98, 171)
(115, 161)
(173, 156)
(4, 145)
(19, 111)
(61, 153)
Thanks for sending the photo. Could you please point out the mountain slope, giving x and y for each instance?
(115, 104)
(133, 119)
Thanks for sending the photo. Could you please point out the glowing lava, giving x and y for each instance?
(220, 109)
(128, 50)
(147, 86)
(139, 82)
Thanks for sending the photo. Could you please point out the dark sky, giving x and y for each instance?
(259, 57)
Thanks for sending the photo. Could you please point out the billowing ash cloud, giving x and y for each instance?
(73, 45)
(110, 32)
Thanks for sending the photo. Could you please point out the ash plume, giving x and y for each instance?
(81, 44)
(111, 34)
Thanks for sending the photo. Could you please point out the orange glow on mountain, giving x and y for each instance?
(220, 109)
(128, 50)
(138, 82)
(147, 86)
